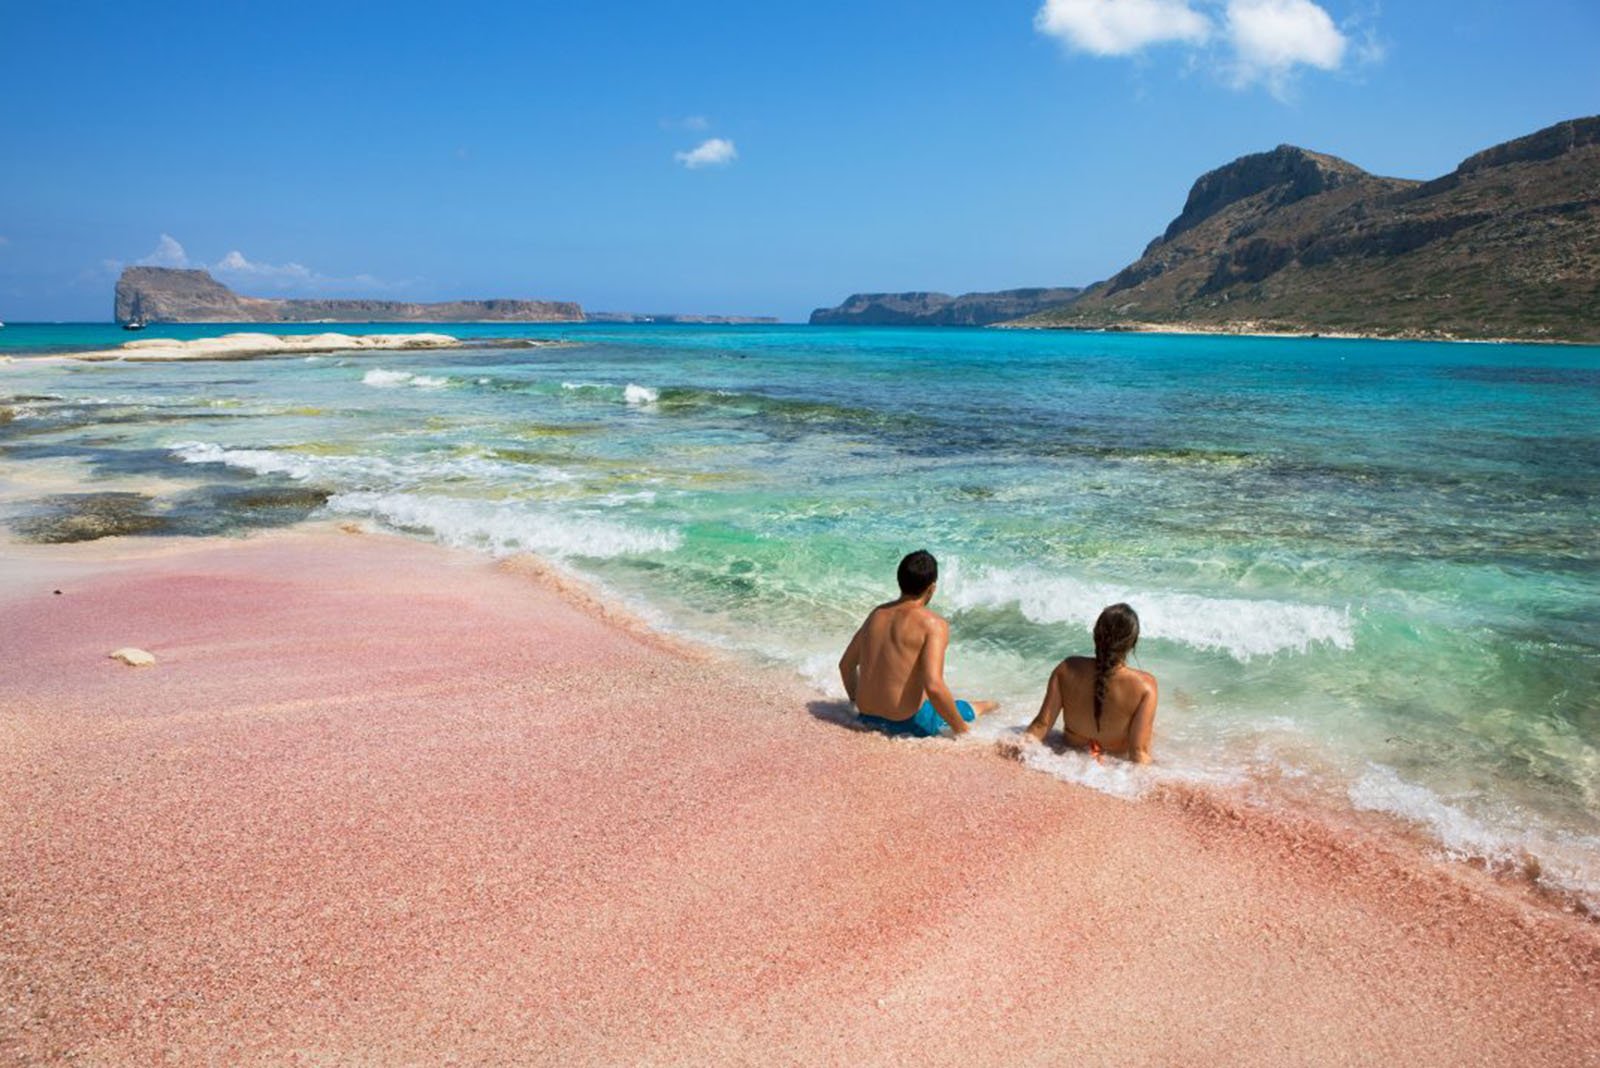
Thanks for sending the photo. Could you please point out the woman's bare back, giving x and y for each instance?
(1127, 715)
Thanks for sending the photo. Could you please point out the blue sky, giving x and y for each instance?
(711, 157)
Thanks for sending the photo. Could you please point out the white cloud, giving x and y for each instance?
(712, 152)
(167, 253)
(1243, 42)
(1272, 37)
(1121, 27)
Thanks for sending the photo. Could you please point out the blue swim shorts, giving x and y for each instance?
(925, 723)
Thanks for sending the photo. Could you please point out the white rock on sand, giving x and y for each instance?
(133, 657)
(240, 346)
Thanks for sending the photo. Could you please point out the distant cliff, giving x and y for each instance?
(677, 318)
(1505, 246)
(168, 295)
(940, 309)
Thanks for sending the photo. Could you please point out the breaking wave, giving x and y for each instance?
(1240, 627)
(384, 379)
(365, 472)
(502, 527)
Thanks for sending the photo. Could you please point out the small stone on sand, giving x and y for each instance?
(133, 657)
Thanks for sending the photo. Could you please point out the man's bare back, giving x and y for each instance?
(895, 662)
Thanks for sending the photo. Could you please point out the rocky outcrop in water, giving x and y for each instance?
(171, 295)
(940, 309)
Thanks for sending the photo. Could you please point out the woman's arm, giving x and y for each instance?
(1143, 725)
(1049, 709)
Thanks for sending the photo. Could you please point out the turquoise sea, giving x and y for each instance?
(1368, 571)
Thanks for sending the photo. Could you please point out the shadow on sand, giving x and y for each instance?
(838, 713)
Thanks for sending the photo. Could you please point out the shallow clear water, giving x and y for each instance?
(1366, 570)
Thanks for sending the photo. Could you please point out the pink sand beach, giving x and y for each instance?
(384, 803)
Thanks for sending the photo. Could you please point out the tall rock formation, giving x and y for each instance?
(1506, 245)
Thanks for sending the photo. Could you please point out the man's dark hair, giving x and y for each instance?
(918, 571)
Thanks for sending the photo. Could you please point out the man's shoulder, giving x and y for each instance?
(908, 620)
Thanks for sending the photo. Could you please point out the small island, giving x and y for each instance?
(182, 295)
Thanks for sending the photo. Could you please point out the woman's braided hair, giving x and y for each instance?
(1116, 632)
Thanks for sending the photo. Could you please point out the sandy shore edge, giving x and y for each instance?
(1255, 328)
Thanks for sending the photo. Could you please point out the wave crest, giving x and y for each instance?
(505, 527)
(384, 379)
(1240, 627)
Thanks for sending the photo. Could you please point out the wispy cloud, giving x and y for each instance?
(1244, 42)
(692, 123)
(4, 241)
(167, 253)
(237, 267)
(712, 152)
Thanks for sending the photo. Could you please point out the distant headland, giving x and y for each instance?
(173, 295)
(941, 309)
(1505, 247)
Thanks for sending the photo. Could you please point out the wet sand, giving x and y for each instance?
(384, 803)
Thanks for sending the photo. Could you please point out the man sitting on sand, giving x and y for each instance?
(893, 668)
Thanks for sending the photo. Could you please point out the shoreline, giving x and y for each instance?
(329, 655)
(1251, 328)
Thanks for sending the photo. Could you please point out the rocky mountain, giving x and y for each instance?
(940, 309)
(169, 295)
(1506, 245)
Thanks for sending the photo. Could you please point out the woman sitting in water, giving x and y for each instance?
(1104, 705)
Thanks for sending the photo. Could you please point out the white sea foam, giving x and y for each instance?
(640, 395)
(504, 527)
(1241, 627)
(1382, 789)
(385, 379)
(365, 472)
(1567, 863)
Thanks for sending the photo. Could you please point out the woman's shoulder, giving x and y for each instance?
(1074, 668)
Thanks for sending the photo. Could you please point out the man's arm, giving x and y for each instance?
(939, 695)
(1049, 709)
(850, 663)
(1143, 727)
